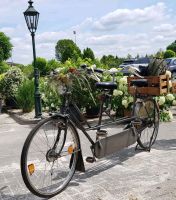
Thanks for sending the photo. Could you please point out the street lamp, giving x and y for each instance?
(74, 32)
(31, 17)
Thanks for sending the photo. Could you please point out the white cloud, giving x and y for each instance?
(127, 16)
(89, 34)
(164, 28)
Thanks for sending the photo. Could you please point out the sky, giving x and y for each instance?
(117, 27)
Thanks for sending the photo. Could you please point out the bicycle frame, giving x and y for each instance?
(117, 141)
(79, 125)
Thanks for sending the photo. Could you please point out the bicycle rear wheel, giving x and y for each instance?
(148, 116)
(49, 157)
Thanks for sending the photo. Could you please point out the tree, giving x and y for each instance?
(129, 56)
(65, 49)
(172, 46)
(5, 47)
(111, 61)
(159, 54)
(88, 53)
(41, 65)
(169, 54)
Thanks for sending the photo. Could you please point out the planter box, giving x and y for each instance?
(174, 87)
(92, 112)
(157, 85)
(127, 113)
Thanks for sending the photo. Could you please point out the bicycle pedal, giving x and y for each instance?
(90, 159)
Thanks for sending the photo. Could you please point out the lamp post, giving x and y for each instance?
(31, 17)
(74, 32)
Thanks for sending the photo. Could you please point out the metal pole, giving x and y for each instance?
(74, 32)
(75, 37)
(37, 96)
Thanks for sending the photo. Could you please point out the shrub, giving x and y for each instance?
(1, 85)
(28, 71)
(10, 82)
(25, 96)
(4, 67)
(41, 65)
(52, 64)
(169, 54)
(50, 97)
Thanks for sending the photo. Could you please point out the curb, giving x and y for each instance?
(22, 120)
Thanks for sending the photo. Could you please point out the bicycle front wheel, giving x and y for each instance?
(148, 116)
(49, 156)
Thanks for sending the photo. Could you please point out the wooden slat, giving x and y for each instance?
(157, 85)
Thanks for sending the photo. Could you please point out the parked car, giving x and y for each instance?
(171, 63)
(136, 63)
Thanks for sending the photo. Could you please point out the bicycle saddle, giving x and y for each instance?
(106, 85)
(140, 83)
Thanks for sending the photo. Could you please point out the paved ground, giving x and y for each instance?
(127, 175)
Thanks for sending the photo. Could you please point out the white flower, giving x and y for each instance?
(174, 102)
(161, 100)
(125, 103)
(170, 115)
(117, 93)
(170, 97)
(130, 99)
(43, 96)
(168, 73)
(123, 87)
(123, 80)
(52, 105)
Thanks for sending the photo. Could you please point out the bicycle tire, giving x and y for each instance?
(148, 113)
(61, 174)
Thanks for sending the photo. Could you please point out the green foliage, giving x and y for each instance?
(1, 83)
(111, 61)
(51, 65)
(25, 96)
(83, 90)
(88, 53)
(169, 54)
(10, 82)
(41, 65)
(5, 47)
(49, 95)
(28, 71)
(172, 46)
(159, 54)
(166, 116)
(4, 67)
(1, 55)
(65, 49)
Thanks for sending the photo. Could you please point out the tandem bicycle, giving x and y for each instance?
(52, 151)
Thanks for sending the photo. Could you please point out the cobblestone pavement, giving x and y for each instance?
(126, 175)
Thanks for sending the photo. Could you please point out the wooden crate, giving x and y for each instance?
(157, 85)
(174, 87)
